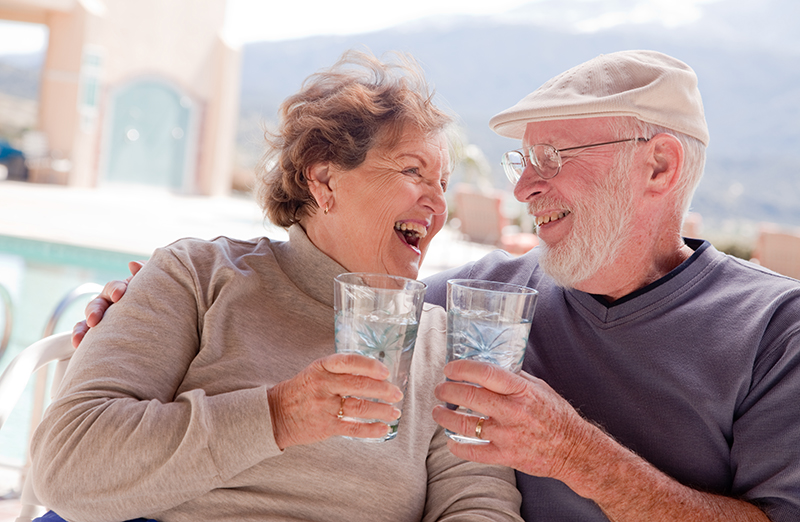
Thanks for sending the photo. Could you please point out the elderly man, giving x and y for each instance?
(662, 377)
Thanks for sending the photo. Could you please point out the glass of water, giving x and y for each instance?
(489, 322)
(377, 315)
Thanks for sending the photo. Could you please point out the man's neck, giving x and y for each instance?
(635, 268)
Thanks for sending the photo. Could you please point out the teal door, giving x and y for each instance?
(148, 140)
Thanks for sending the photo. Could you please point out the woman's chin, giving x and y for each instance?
(406, 261)
(410, 270)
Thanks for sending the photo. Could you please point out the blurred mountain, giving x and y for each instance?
(746, 55)
(19, 75)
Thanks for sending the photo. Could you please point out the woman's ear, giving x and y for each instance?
(318, 176)
(666, 161)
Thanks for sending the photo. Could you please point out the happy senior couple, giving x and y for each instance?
(661, 379)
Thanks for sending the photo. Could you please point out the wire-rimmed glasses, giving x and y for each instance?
(545, 159)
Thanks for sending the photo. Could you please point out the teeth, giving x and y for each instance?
(547, 218)
(413, 228)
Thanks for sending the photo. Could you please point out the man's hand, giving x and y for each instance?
(112, 292)
(534, 430)
(518, 408)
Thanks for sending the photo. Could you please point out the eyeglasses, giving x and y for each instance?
(545, 159)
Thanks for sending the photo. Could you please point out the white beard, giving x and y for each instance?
(600, 222)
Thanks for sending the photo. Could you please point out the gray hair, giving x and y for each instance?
(694, 157)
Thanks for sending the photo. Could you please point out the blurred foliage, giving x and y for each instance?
(741, 247)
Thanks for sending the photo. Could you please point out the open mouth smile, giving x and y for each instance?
(410, 232)
(549, 218)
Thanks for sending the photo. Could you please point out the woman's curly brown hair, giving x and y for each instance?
(338, 115)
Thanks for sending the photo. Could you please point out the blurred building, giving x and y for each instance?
(140, 92)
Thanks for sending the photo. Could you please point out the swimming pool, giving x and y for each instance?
(37, 275)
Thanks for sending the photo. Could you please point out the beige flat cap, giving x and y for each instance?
(649, 85)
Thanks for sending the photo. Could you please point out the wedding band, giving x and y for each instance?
(340, 415)
(479, 427)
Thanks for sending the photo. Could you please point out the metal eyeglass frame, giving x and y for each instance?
(552, 153)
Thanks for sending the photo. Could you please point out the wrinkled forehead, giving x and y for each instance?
(393, 131)
(411, 138)
(574, 131)
(429, 150)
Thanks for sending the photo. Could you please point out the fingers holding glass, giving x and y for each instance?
(461, 427)
(377, 317)
(356, 409)
(487, 322)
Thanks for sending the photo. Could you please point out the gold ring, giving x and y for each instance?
(340, 415)
(479, 427)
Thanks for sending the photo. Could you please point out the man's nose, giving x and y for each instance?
(529, 185)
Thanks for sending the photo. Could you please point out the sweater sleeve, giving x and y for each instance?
(765, 451)
(463, 490)
(459, 489)
(120, 442)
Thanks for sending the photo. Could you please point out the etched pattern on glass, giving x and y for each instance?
(484, 336)
(481, 336)
(390, 340)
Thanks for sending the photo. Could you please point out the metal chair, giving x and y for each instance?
(55, 348)
(51, 348)
(22, 373)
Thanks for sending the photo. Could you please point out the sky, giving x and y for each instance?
(256, 20)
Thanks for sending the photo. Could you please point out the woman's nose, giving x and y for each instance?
(436, 199)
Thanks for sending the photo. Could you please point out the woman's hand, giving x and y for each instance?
(305, 408)
(112, 292)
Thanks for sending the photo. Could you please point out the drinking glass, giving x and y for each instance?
(377, 315)
(489, 322)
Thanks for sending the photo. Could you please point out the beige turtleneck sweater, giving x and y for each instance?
(163, 412)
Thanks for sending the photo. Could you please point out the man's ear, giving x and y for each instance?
(666, 162)
(319, 176)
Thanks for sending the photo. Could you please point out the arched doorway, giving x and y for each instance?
(149, 139)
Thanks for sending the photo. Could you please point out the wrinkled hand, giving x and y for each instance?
(112, 292)
(304, 409)
(531, 427)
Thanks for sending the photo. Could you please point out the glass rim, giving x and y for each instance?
(492, 286)
(358, 279)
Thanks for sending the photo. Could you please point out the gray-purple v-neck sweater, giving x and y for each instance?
(698, 373)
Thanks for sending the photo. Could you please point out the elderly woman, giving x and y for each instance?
(211, 391)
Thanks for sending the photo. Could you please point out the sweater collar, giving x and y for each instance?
(307, 266)
(704, 258)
